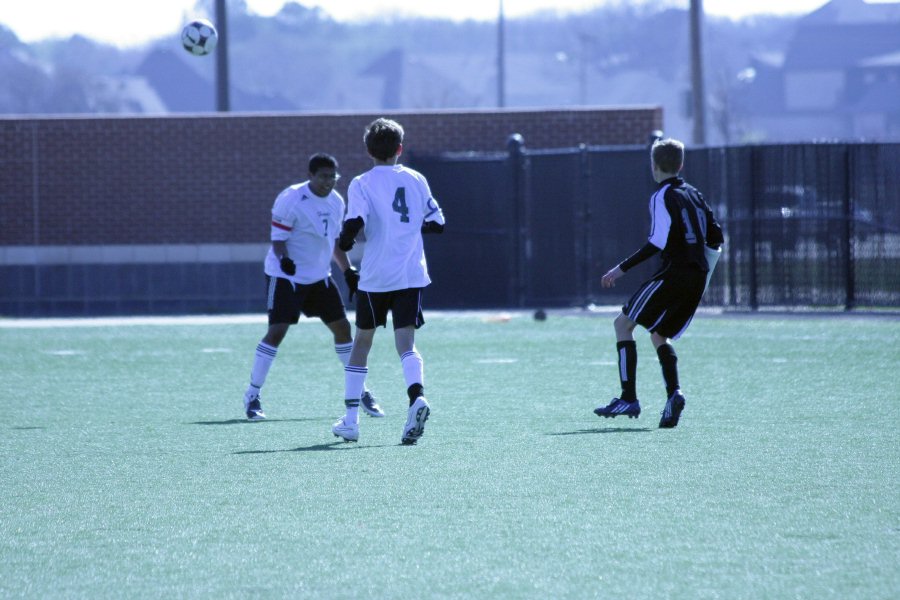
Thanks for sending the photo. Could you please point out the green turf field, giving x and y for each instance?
(127, 469)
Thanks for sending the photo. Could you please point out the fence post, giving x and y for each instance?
(584, 252)
(848, 230)
(515, 145)
(754, 228)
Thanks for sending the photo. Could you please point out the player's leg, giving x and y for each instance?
(682, 292)
(407, 313)
(284, 310)
(330, 307)
(626, 351)
(371, 311)
(668, 361)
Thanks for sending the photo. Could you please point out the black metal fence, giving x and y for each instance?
(806, 225)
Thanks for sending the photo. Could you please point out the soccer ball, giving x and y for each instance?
(199, 37)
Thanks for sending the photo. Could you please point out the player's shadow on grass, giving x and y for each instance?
(246, 422)
(604, 430)
(314, 448)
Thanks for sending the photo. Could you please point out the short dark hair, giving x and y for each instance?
(321, 160)
(668, 155)
(383, 138)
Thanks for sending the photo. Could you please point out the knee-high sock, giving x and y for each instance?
(343, 354)
(627, 352)
(265, 356)
(354, 383)
(668, 360)
(413, 373)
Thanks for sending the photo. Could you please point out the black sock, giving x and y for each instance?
(669, 363)
(414, 391)
(627, 352)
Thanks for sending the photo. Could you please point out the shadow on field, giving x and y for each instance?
(246, 422)
(315, 448)
(604, 430)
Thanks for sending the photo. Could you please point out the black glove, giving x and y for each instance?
(351, 276)
(345, 242)
(288, 266)
(349, 230)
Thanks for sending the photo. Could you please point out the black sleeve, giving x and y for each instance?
(714, 236)
(432, 227)
(638, 257)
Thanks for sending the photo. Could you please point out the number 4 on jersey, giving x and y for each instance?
(399, 205)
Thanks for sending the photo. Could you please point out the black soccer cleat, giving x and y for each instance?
(618, 407)
(672, 412)
(253, 407)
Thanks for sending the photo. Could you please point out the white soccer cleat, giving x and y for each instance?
(348, 431)
(415, 421)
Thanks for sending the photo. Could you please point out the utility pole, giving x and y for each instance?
(501, 59)
(222, 101)
(698, 94)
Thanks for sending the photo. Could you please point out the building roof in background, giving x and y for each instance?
(850, 12)
(839, 46)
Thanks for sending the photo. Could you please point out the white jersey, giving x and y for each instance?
(309, 225)
(393, 202)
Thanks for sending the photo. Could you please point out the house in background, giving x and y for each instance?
(839, 79)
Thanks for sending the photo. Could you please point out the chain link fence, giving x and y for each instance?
(807, 225)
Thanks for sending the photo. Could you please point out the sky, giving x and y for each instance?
(134, 22)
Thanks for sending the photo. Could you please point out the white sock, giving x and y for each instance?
(354, 382)
(265, 356)
(413, 367)
(343, 354)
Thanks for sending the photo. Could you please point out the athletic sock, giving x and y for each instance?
(415, 391)
(343, 354)
(413, 371)
(265, 356)
(668, 360)
(354, 382)
(627, 352)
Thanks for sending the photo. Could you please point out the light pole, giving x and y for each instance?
(698, 102)
(223, 103)
(501, 59)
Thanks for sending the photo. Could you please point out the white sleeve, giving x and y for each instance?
(283, 218)
(357, 205)
(433, 211)
(660, 220)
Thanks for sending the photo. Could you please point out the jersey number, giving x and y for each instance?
(399, 205)
(689, 235)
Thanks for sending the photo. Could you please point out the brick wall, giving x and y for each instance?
(170, 215)
(213, 178)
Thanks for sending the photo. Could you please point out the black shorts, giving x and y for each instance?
(405, 306)
(666, 303)
(286, 300)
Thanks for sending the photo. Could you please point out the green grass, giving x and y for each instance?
(127, 470)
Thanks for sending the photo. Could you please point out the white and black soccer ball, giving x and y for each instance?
(199, 37)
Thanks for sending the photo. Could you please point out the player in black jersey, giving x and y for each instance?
(685, 232)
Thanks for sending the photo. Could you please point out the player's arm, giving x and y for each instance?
(434, 216)
(282, 228)
(647, 250)
(351, 275)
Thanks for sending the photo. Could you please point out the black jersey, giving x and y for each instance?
(681, 224)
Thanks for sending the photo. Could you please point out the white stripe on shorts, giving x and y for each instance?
(641, 301)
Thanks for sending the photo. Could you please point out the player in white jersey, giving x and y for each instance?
(306, 221)
(395, 206)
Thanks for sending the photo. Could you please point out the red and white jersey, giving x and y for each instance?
(393, 201)
(309, 225)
